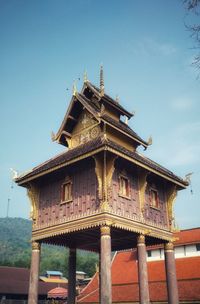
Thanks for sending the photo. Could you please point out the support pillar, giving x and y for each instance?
(99, 269)
(170, 268)
(34, 274)
(105, 269)
(142, 271)
(72, 276)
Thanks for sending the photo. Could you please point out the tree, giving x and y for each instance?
(193, 7)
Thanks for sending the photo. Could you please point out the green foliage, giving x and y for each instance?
(15, 250)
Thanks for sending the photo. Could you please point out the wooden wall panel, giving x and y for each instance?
(128, 207)
(156, 215)
(84, 193)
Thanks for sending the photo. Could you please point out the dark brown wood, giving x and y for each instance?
(142, 271)
(84, 193)
(72, 277)
(34, 274)
(170, 268)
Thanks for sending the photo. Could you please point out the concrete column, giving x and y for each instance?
(105, 269)
(34, 274)
(170, 268)
(72, 277)
(142, 271)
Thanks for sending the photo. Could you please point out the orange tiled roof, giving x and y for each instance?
(188, 236)
(125, 280)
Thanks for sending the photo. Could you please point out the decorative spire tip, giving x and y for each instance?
(74, 89)
(85, 78)
(101, 81)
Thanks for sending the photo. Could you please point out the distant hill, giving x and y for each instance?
(15, 235)
(15, 249)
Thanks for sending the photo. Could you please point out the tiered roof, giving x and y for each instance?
(91, 99)
(98, 144)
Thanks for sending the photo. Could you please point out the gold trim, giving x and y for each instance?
(171, 196)
(105, 230)
(76, 159)
(141, 239)
(169, 246)
(110, 170)
(94, 152)
(99, 173)
(123, 132)
(142, 175)
(101, 219)
(33, 193)
(144, 166)
(36, 246)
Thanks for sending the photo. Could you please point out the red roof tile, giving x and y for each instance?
(14, 280)
(125, 280)
(188, 236)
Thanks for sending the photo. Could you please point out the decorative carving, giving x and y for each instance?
(99, 174)
(142, 187)
(105, 230)
(105, 206)
(33, 195)
(95, 132)
(110, 170)
(169, 246)
(171, 196)
(86, 129)
(36, 246)
(141, 239)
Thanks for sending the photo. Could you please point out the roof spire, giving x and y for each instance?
(85, 78)
(74, 88)
(101, 81)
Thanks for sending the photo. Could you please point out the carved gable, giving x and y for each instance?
(87, 128)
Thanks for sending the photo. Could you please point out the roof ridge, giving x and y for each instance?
(109, 98)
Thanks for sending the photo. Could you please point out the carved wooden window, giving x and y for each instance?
(67, 191)
(124, 187)
(154, 198)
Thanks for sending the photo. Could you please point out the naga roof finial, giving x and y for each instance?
(101, 81)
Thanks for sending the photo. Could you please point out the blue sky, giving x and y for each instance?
(146, 52)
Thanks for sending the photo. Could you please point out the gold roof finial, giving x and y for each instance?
(101, 81)
(85, 78)
(74, 88)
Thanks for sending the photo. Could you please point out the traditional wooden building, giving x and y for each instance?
(101, 194)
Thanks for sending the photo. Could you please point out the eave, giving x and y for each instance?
(93, 147)
(107, 98)
(83, 101)
(136, 139)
